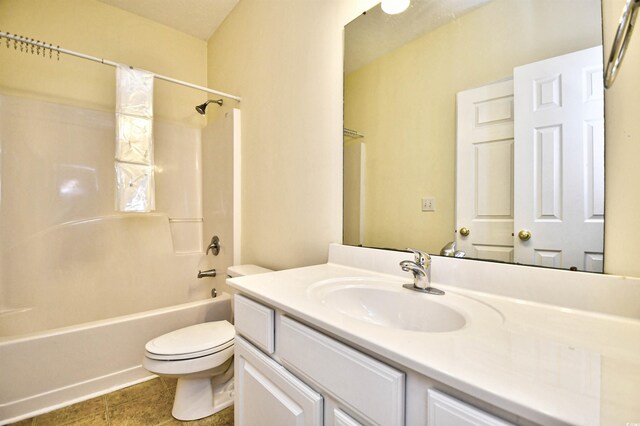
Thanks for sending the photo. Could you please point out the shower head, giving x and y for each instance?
(201, 108)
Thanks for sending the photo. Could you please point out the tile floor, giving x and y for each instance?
(148, 403)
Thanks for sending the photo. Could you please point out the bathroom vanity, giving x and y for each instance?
(344, 344)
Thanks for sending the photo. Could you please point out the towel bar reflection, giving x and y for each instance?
(351, 133)
(621, 41)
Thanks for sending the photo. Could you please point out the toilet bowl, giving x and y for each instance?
(201, 358)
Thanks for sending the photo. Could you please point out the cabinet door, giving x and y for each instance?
(369, 388)
(340, 418)
(267, 394)
(445, 410)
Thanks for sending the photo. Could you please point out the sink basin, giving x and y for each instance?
(387, 304)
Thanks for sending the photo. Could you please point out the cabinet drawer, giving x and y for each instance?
(255, 322)
(370, 388)
(445, 410)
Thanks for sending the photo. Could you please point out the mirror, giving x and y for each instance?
(482, 115)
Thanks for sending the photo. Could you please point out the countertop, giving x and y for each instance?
(545, 363)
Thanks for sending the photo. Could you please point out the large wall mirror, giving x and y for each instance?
(480, 123)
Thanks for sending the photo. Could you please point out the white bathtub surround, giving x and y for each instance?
(74, 271)
(68, 258)
(178, 171)
(135, 186)
(49, 370)
(565, 348)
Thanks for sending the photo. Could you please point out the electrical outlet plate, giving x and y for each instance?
(428, 204)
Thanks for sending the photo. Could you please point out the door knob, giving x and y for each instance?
(524, 235)
(464, 231)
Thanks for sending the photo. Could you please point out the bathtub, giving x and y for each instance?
(46, 370)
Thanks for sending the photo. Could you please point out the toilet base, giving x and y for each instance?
(198, 398)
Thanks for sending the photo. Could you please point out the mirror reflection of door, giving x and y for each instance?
(559, 161)
(551, 185)
(484, 181)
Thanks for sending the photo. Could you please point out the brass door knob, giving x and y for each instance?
(524, 235)
(464, 231)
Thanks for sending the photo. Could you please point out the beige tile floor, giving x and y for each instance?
(148, 403)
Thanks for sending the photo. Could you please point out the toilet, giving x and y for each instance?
(201, 358)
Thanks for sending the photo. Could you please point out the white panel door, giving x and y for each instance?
(484, 197)
(559, 161)
(267, 394)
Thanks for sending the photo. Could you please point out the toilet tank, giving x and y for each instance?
(242, 270)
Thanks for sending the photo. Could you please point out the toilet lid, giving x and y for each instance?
(192, 342)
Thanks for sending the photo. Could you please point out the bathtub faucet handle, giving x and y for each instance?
(214, 246)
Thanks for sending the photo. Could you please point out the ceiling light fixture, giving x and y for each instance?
(393, 7)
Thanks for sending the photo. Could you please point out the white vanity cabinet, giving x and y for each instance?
(311, 379)
(289, 373)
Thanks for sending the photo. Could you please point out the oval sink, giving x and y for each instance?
(388, 304)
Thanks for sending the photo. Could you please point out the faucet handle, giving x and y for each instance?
(422, 258)
(214, 246)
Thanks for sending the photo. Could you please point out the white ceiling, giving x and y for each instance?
(372, 35)
(199, 18)
(366, 38)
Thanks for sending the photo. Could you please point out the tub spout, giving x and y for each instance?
(207, 273)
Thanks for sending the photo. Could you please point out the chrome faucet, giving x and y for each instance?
(208, 273)
(450, 250)
(421, 270)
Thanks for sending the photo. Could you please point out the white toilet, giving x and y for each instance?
(201, 358)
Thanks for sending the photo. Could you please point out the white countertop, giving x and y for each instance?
(545, 363)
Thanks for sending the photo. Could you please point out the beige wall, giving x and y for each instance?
(103, 31)
(622, 153)
(284, 58)
(67, 256)
(404, 102)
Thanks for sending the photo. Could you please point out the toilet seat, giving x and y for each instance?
(191, 342)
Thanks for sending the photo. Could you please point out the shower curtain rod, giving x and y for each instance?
(50, 47)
